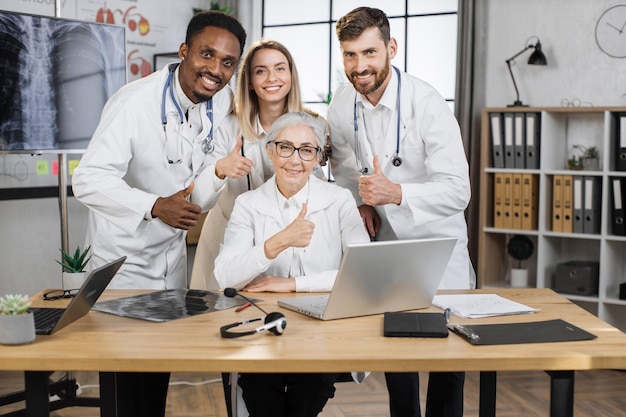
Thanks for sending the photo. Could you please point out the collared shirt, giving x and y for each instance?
(380, 120)
(291, 208)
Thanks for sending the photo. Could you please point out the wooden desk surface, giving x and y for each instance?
(104, 342)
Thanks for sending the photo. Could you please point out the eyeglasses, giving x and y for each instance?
(306, 153)
(59, 294)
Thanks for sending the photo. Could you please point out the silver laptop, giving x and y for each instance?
(49, 320)
(378, 277)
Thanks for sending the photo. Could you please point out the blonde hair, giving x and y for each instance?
(246, 99)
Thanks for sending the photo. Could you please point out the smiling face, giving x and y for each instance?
(208, 63)
(367, 63)
(270, 76)
(292, 173)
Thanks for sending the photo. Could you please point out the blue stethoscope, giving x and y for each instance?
(395, 160)
(207, 145)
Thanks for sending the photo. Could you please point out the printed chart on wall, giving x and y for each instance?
(146, 28)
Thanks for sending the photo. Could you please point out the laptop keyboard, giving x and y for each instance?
(46, 318)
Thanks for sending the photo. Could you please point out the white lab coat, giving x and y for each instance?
(214, 226)
(434, 173)
(212, 234)
(124, 170)
(257, 217)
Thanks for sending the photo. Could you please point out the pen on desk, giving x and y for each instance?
(463, 330)
(242, 307)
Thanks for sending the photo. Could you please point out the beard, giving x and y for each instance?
(379, 78)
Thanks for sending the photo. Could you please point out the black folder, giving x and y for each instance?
(398, 324)
(514, 333)
(617, 207)
(620, 143)
(497, 145)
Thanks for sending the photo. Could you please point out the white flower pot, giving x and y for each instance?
(73, 280)
(519, 278)
(17, 330)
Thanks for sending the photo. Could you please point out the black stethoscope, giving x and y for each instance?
(395, 160)
(207, 145)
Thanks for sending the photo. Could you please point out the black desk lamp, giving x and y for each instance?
(536, 58)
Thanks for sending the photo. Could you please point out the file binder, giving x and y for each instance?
(566, 201)
(516, 200)
(497, 145)
(509, 145)
(557, 205)
(498, 200)
(578, 198)
(531, 134)
(514, 333)
(620, 162)
(617, 206)
(591, 207)
(530, 196)
(507, 199)
(518, 141)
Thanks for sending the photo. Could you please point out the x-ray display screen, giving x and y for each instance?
(55, 77)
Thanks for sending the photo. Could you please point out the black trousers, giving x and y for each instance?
(142, 394)
(286, 395)
(444, 396)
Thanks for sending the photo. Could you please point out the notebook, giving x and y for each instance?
(50, 320)
(377, 277)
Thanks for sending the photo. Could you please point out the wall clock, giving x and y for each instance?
(611, 31)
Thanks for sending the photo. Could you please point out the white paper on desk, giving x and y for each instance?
(480, 305)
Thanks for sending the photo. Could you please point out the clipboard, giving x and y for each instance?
(515, 333)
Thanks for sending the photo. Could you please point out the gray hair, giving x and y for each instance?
(291, 119)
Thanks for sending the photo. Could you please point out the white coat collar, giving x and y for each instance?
(320, 197)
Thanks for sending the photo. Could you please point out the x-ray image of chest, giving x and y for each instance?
(55, 77)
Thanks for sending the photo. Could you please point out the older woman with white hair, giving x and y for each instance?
(289, 235)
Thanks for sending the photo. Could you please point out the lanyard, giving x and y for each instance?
(396, 160)
(207, 145)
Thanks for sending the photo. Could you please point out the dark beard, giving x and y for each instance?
(379, 79)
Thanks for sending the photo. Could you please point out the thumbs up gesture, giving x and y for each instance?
(297, 234)
(176, 210)
(300, 230)
(234, 165)
(377, 190)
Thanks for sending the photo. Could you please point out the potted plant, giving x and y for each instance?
(17, 324)
(520, 248)
(589, 159)
(74, 267)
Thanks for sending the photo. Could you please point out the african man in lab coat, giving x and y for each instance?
(154, 163)
(157, 160)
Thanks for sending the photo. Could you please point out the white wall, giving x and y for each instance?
(576, 68)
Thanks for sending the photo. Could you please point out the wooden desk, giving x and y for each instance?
(107, 343)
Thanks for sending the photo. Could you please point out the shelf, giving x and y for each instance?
(559, 130)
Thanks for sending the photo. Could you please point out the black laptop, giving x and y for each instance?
(49, 320)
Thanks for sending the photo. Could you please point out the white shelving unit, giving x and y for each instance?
(561, 128)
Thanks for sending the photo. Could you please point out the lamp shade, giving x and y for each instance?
(537, 57)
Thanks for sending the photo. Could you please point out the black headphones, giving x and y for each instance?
(275, 322)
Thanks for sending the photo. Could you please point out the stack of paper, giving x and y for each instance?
(480, 305)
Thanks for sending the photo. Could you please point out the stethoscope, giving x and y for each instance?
(207, 145)
(395, 160)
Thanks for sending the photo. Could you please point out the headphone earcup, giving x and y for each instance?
(280, 326)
